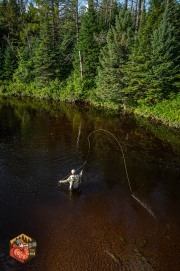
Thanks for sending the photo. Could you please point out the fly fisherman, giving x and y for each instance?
(74, 181)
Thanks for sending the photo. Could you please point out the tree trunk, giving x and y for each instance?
(80, 64)
(126, 4)
(77, 19)
(132, 5)
(143, 6)
(138, 14)
(77, 35)
(96, 4)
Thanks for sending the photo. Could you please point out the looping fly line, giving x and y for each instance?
(89, 147)
(124, 160)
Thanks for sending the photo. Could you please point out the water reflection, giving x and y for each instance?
(104, 227)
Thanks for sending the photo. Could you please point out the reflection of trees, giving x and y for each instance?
(105, 148)
(24, 118)
(103, 144)
(162, 133)
(141, 144)
(8, 122)
(49, 130)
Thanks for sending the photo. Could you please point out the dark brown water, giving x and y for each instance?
(104, 228)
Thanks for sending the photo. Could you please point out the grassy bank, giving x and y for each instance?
(166, 112)
(54, 90)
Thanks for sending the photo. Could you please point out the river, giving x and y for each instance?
(117, 222)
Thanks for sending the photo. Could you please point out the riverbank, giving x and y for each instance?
(166, 112)
(55, 108)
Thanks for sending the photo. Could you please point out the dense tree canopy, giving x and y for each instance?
(103, 51)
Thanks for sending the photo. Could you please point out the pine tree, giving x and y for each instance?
(174, 18)
(1, 64)
(137, 68)
(2, 43)
(45, 57)
(69, 32)
(107, 13)
(9, 30)
(110, 79)
(10, 62)
(164, 67)
(28, 35)
(25, 70)
(87, 50)
(12, 20)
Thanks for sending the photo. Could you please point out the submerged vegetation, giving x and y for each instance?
(110, 54)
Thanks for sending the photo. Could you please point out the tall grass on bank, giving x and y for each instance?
(167, 112)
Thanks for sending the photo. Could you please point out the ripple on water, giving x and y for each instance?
(103, 228)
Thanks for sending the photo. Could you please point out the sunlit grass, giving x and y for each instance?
(167, 111)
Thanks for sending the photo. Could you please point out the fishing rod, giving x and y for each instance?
(123, 156)
(89, 144)
(124, 160)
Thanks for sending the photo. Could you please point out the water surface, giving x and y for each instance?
(104, 228)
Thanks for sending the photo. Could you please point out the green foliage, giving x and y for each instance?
(86, 50)
(54, 90)
(11, 20)
(10, 25)
(163, 69)
(68, 32)
(76, 89)
(1, 63)
(113, 57)
(25, 70)
(10, 62)
(73, 89)
(57, 50)
(167, 111)
(138, 65)
(46, 67)
(107, 14)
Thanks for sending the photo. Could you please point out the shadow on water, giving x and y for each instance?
(104, 227)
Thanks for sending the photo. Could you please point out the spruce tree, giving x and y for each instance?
(1, 64)
(164, 65)
(87, 50)
(107, 14)
(174, 18)
(3, 34)
(46, 59)
(110, 79)
(10, 25)
(10, 62)
(69, 31)
(25, 70)
(28, 35)
(137, 68)
(12, 20)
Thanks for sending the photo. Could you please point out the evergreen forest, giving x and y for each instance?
(108, 53)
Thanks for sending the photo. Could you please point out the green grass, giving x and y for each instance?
(167, 112)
